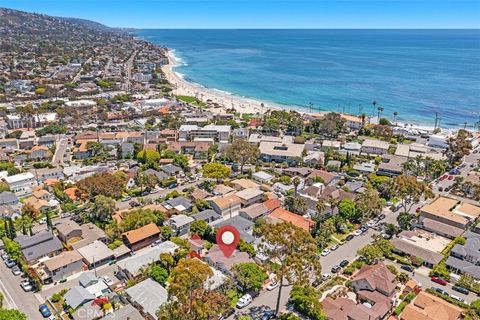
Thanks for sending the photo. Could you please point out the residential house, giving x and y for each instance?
(281, 214)
(147, 296)
(126, 312)
(40, 245)
(391, 165)
(68, 230)
(180, 204)
(417, 243)
(60, 267)
(276, 152)
(216, 258)
(180, 224)
(442, 210)
(78, 296)
(141, 237)
(250, 196)
(242, 184)
(427, 306)
(171, 170)
(207, 215)
(244, 227)
(96, 254)
(365, 167)
(10, 212)
(131, 267)
(9, 198)
(21, 184)
(370, 146)
(48, 173)
(327, 178)
(262, 177)
(465, 258)
(375, 277)
(226, 206)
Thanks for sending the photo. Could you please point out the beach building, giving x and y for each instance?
(442, 210)
(208, 133)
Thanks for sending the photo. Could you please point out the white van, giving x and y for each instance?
(244, 301)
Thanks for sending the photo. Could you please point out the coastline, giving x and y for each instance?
(241, 104)
(224, 99)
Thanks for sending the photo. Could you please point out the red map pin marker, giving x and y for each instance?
(227, 239)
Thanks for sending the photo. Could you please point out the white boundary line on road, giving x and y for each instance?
(10, 299)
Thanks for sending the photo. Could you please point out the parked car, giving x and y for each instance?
(461, 289)
(406, 267)
(156, 243)
(244, 301)
(382, 216)
(357, 232)
(349, 237)
(10, 263)
(272, 285)
(344, 263)
(267, 315)
(44, 310)
(326, 276)
(441, 291)
(5, 256)
(439, 281)
(26, 285)
(325, 252)
(450, 177)
(134, 203)
(16, 271)
(334, 247)
(127, 198)
(336, 268)
(457, 298)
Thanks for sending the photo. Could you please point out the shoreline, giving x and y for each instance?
(245, 105)
(224, 99)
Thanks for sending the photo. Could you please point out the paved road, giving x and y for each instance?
(15, 297)
(62, 146)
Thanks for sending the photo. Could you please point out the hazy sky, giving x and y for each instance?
(263, 13)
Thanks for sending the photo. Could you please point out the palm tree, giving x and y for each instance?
(395, 114)
(296, 182)
(374, 103)
(380, 110)
(321, 206)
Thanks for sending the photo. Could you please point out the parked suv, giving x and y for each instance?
(244, 301)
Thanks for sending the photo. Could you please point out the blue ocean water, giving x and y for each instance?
(413, 72)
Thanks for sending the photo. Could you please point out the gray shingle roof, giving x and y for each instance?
(7, 197)
(127, 312)
(148, 294)
(77, 296)
(207, 215)
(38, 245)
(87, 278)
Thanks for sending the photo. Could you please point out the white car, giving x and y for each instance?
(357, 232)
(325, 252)
(107, 280)
(326, 276)
(272, 286)
(244, 301)
(26, 285)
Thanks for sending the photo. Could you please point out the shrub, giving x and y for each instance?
(400, 308)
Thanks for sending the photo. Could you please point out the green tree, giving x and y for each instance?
(198, 227)
(249, 276)
(458, 147)
(410, 191)
(216, 171)
(12, 314)
(158, 274)
(348, 210)
(288, 316)
(105, 183)
(404, 220)
(294, 252)
(475, 305)
(369, 203)
(12, 248)
(103, 208)
(243, 152)
(297, 205)
(192, 300)
(149, 157)
(306, 300)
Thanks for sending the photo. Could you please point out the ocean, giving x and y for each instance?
(415, 73)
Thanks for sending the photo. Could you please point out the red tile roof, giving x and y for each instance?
(295, 219)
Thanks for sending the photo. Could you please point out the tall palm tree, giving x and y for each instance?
(380, 110)
(296, 183)
(374, 103)
(395, 114)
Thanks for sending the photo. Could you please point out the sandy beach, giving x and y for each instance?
(227, 101)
